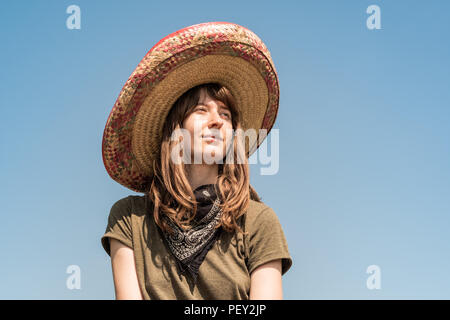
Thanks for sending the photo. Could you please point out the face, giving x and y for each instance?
(210, 118)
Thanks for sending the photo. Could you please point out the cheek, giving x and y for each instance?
(188, 124)
(192, 122)
(228, 132)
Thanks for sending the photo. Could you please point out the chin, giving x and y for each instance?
(206, 154)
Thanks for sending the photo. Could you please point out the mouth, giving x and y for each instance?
(211, 137)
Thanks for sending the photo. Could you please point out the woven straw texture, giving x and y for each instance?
(220, 52)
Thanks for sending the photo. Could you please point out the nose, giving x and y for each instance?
(215, 120)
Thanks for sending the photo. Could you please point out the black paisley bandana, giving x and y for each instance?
(190, 247)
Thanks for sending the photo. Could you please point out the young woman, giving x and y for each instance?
(200, 231)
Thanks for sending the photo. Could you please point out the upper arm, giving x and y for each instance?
(124, 272)
(265, 241)
(119, 224)
(265, 282)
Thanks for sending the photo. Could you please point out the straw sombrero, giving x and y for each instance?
(220, 52)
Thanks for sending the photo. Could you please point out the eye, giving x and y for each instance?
(227, 114)
(201, 109)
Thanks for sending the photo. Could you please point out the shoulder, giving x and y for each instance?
(257, 209)
(120, 211)
(122, 203)
(121, 206)
(127, 211)
(139, 204)
(260, 213)
(127, 206)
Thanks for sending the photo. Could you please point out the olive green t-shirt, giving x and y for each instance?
(225, 272)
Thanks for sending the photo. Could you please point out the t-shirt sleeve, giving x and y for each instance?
(267, 242)
(119, 225)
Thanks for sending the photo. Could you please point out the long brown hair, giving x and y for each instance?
(170, 191)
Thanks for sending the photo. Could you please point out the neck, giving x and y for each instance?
(200, 174)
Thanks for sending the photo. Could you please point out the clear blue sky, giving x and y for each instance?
(364, 124)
